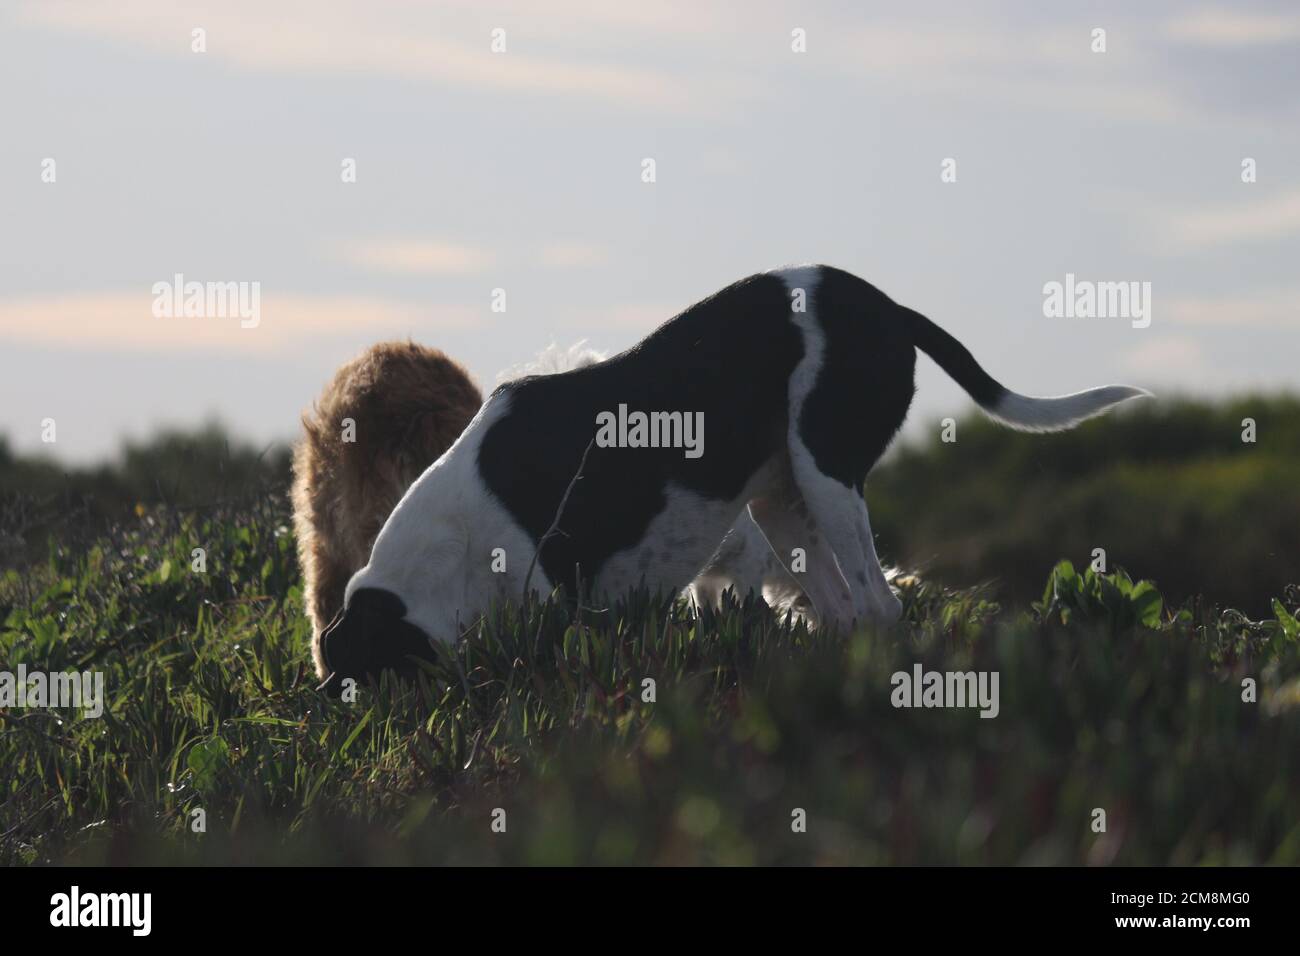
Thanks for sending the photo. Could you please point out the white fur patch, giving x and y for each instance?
(552, 360)
(1025, 413)
(436, 551)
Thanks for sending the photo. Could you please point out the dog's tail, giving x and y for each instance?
(1021, 412)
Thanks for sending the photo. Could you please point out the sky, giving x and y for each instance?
(780, 133)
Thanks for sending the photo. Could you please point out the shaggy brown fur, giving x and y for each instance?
(409, 403)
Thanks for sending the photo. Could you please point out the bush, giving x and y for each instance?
(1168, 490)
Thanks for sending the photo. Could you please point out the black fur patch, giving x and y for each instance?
(867, 378)
(729, 357)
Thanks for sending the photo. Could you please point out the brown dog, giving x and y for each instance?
(406, 404)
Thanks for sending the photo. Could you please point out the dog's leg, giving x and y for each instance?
(849, 394)
(788, 525)
(740, 563)
(835, 512)
(842, 514)
(886, 606)
(707, 588)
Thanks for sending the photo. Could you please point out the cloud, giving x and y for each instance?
(413, 256)
(1240, 311)
(1167, 357)
(1254, 220)
(1233, 28)
(709, 61)
(642, 317)
(440, 257)
(448, 43)
(988, 60)
(565, 255)
(125, 321)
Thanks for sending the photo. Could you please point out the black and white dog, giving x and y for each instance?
(800, 378)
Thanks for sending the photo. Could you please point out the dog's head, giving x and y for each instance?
(371, 635)
(406, 596)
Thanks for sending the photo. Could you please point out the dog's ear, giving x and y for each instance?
(371, 636)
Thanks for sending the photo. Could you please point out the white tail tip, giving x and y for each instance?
(1028, 414)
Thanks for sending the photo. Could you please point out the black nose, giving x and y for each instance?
(371, 636)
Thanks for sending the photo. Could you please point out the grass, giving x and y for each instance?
(1109, 699)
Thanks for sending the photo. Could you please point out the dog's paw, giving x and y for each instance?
(890, 610)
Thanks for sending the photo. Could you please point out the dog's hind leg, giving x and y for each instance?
(746, 563)
(848, 396)
(835, 513)
(842, 514)
(885, 603)
(788, 525)
(731, 566)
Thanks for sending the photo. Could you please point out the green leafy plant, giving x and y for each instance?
(1112, 599)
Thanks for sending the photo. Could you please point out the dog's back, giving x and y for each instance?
(726, 359)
